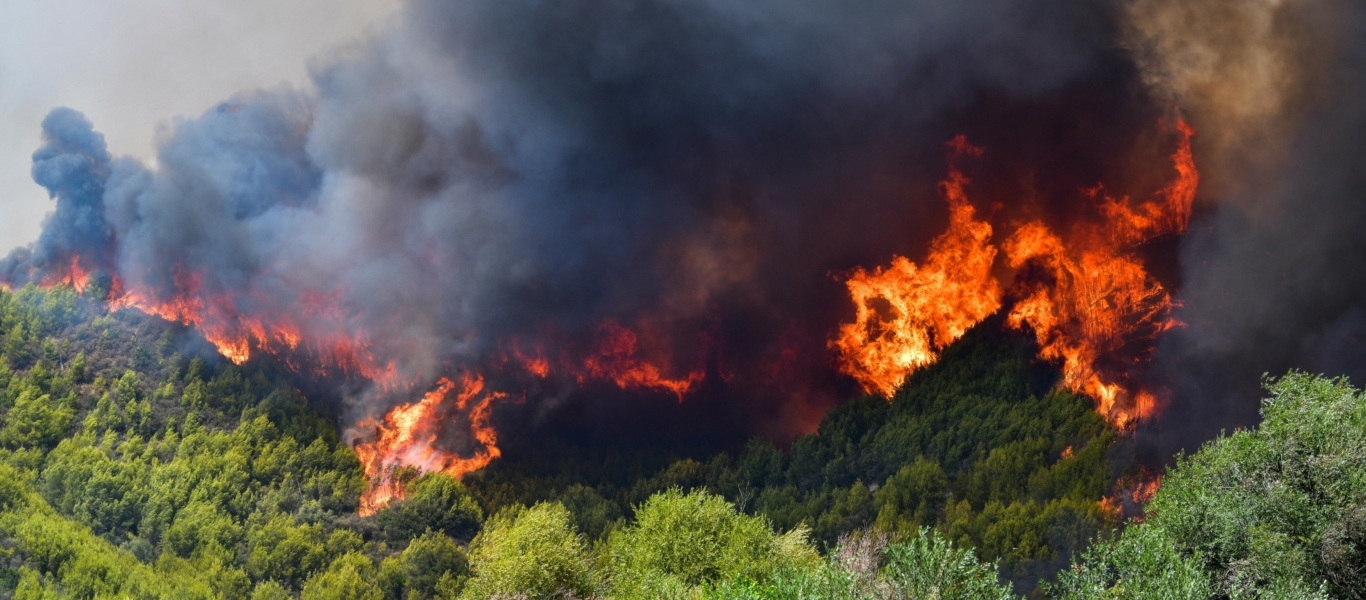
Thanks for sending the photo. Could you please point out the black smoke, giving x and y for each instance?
(701, 171)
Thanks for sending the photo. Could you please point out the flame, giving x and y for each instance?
(236, 334)
(1087, 297)
(1097, 297)
(1131, 495)
(905, 314)
(407, 436)
(76, 275)
(616, 359)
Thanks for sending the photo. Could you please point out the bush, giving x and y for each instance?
(351, 577)
(436, 502)
(866, 567)
(433, 563)
(1273, 512)
(529, 552)
(681, 541)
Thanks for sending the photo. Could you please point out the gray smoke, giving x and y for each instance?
(1272, 272)
(491, 170)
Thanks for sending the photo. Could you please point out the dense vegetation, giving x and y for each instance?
(979, 446)
(132, 465)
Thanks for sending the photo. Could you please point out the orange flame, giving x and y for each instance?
(235, 335)
(1131, 495)
(906, 313)
(616, 360)
(1088, 296)
(1099, 297)
(408, 433)
(76, 275)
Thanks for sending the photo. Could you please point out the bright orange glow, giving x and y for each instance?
(905, 314)
(616, 359)
(1086, 294)
(1098, 297)
(407, 437)
(237, 335)
(76, 275)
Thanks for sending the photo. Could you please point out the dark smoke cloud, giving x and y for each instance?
(695, 169)
(72, 165)
(1272, 274)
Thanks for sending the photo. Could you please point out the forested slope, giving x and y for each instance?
(133, 465)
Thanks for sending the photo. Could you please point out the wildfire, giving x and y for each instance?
(616, 359)
(407, 437)
(76, 275)
(236, 334)
(1132, 494)
(1085, 295)
(1097, 297)
(906, 314)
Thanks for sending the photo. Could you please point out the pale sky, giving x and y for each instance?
(131, 64)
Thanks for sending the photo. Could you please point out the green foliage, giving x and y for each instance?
(529, 552)
(153, 498)
(928, 566)
(35, 420)
(1142, 563)
(432, 565)
(866, 567)
(350, 577)
(1274, 512)
(682, 541)
(437, 502)
(84, 565)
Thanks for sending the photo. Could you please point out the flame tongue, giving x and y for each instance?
(617, 360)
(1086, 296)
(408, 434)
(77, 275)
(906, 313)
(1099, 298)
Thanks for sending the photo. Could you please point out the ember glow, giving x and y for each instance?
(238, 334)
(1085, 294)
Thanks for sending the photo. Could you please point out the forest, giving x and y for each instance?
(131, 467)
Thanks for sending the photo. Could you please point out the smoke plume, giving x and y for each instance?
(678, 185)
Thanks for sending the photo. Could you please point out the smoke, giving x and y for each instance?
(1270, 274)
(486, 175)
(72, 165)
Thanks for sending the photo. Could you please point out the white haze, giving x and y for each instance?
(132, 64)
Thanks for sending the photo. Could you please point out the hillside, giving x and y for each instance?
(135, 465)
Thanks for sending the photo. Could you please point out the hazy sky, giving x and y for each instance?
(131, 64)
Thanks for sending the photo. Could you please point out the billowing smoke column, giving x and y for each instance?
(72, 165)
(499, 201)
(1271, 273)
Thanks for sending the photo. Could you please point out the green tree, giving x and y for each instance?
(435, 501)
(350, 577)
(431, 560)
(531, 553)
(35, 421)
(682, 541)
(929, 566)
